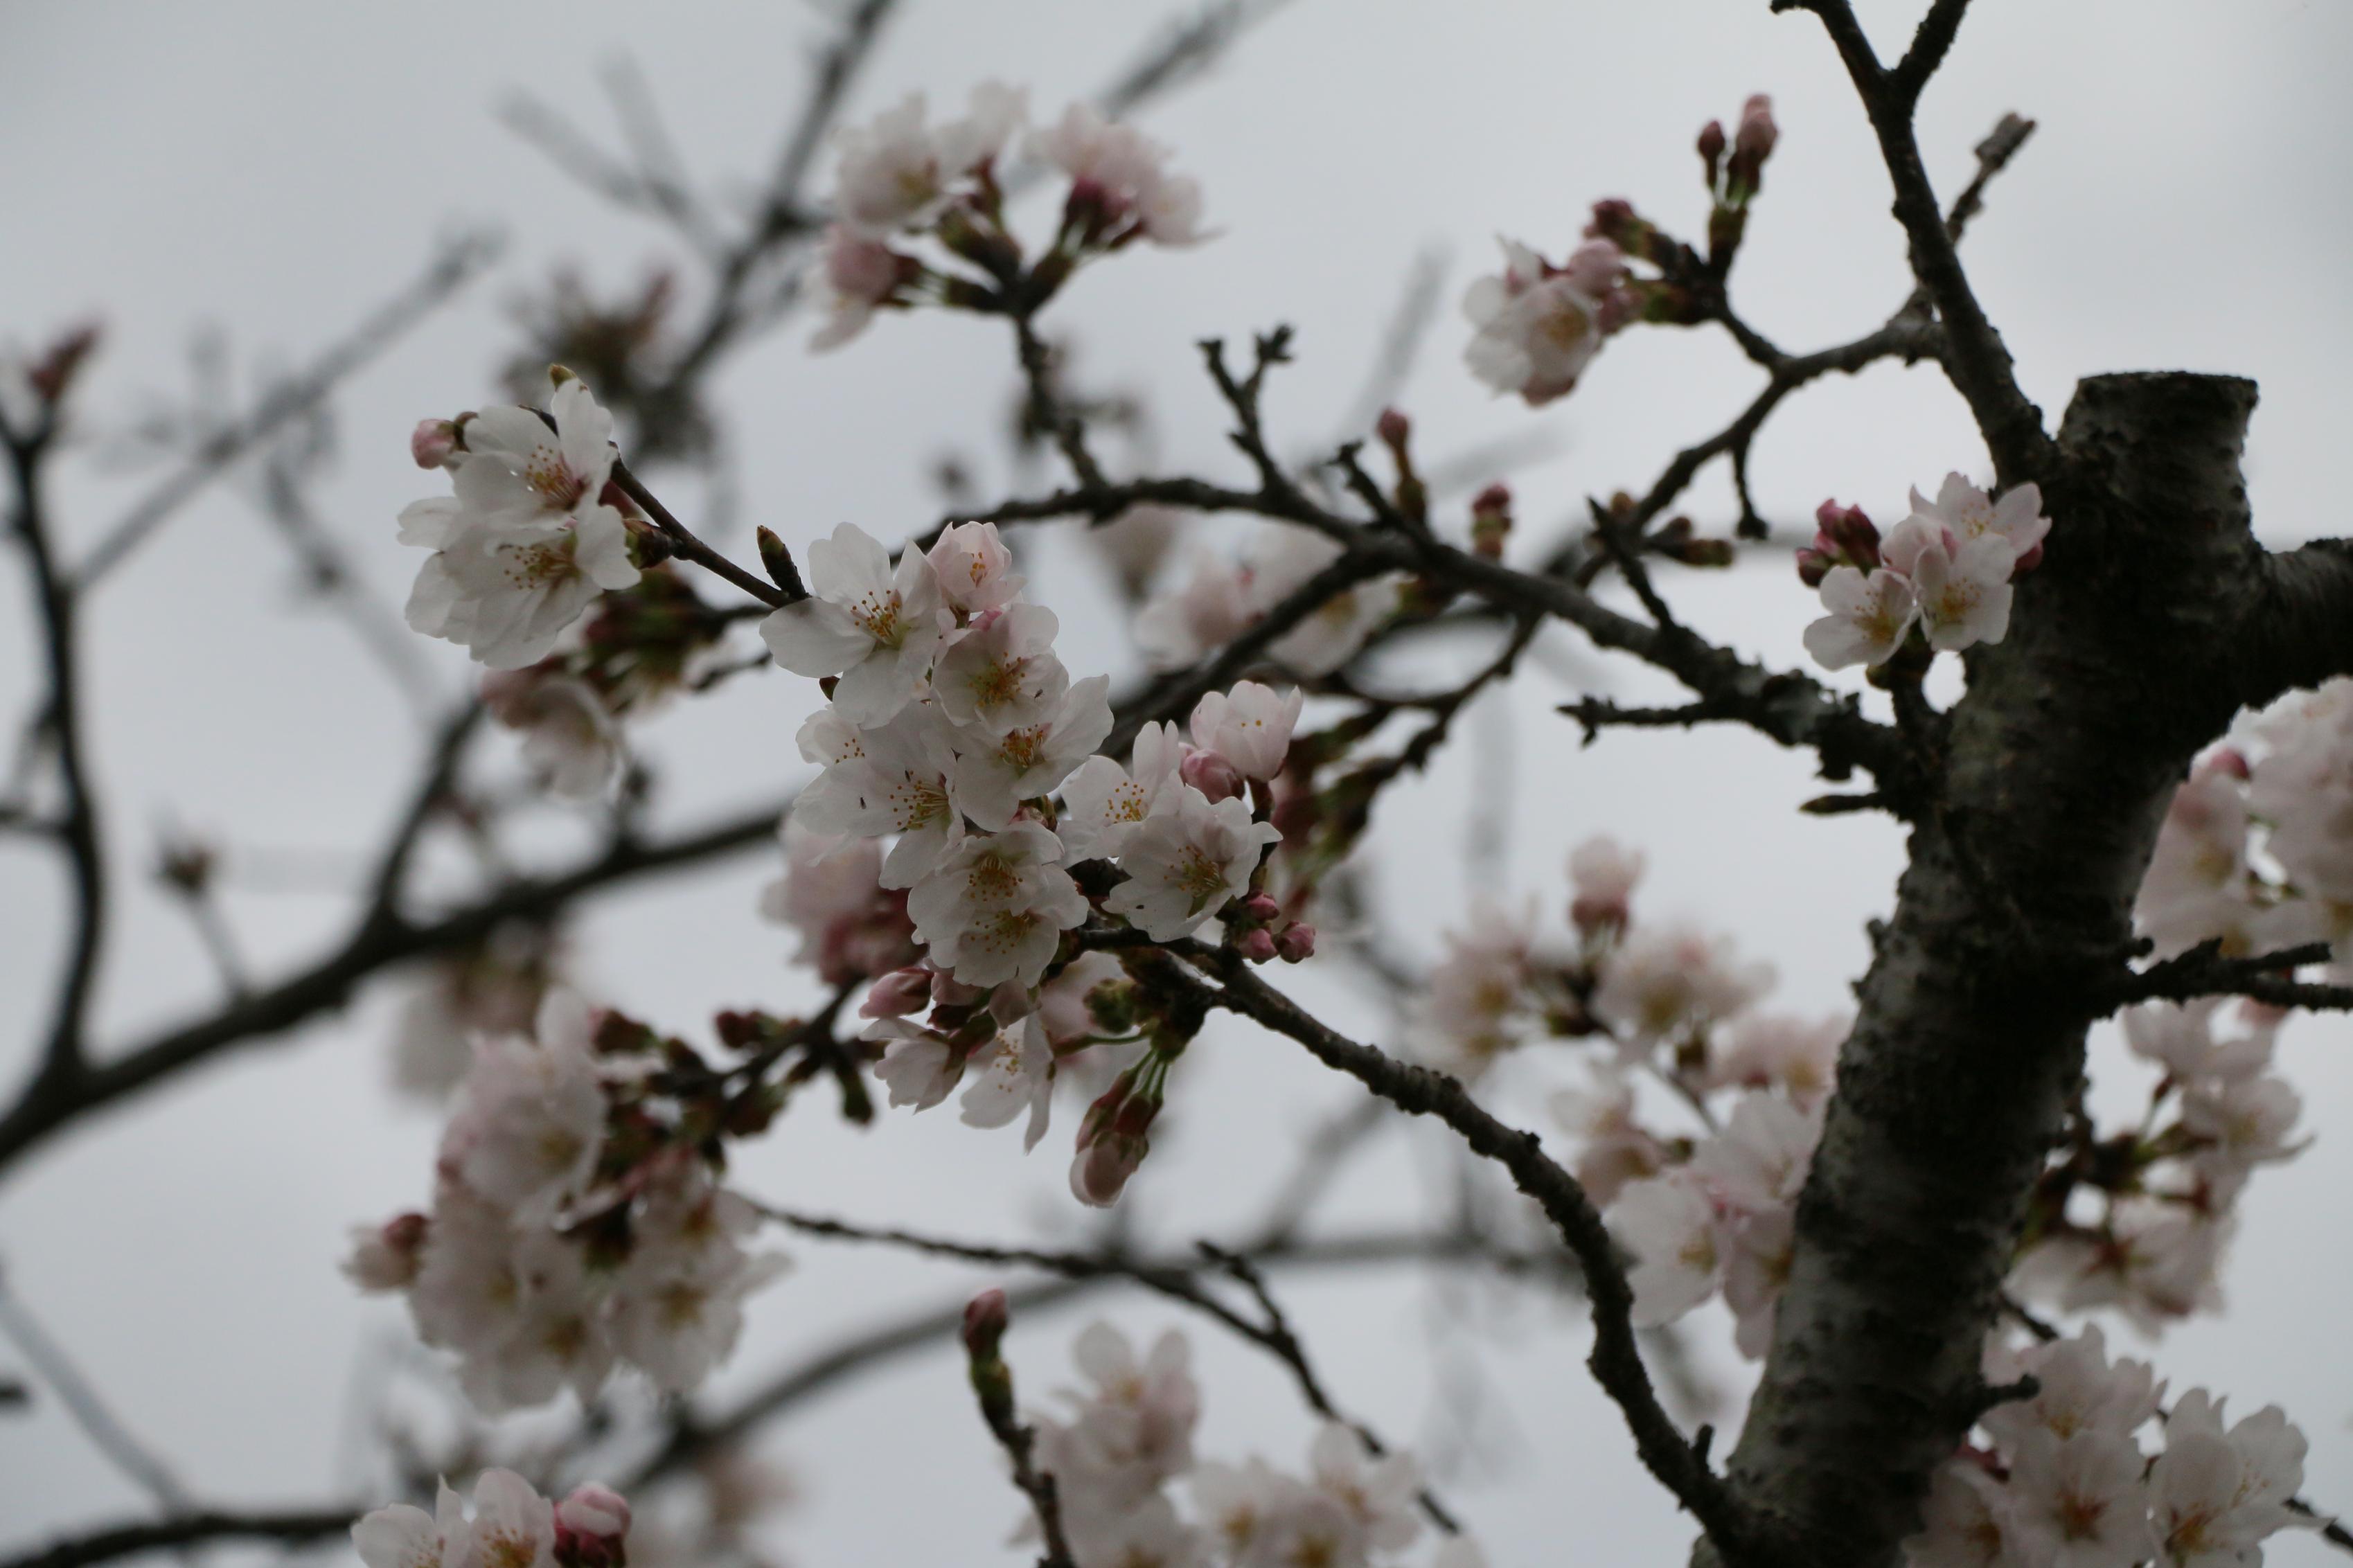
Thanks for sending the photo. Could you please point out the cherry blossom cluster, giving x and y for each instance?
(2256, 851)
(574, 1228)
(2138, 1221)
(902, 178)
(1939, 581)
(951, 728)
(1536, 326)
(494, 987)
(1121, 1442)
(2061, 1478)
(511, 1526)
(1215, 599)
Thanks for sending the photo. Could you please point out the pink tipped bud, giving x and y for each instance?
(1814, 565)
(1392, 428)
(1753, 143)
(1611, 218)
(984, 1320)
(1852, 536)
(591, 1527)
(1256, 944)
(2229, 760)
(1099, 1173)
(1260, 907)
(1296, 944)
(1595, 268)
(899, 994)
(386, 1257)
(2030, 560)
(433, 443)
(1212, 775)
(1711, 147)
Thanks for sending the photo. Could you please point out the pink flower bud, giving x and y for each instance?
(1260, 908)
(433, 443)
(898, 994)
(1212, 775)
(1847, 534)
(1256, 944)
(590, 1526)
(1297, 943)
(984, 1320)
(2222, 760)
(1753, 142)
(1711, 147)
(1099, 1173)
(1392, 428)
(386, 1257)
(1814, 565)
(2030, 560)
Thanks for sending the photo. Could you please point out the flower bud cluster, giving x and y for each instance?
(572, 1230)
(901, 179)
(1940, 581)
(2062, 1475)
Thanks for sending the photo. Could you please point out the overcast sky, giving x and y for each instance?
(274, 169)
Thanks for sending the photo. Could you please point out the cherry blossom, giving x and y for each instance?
(1965, 513)
(530, 1115)
(851, 927)
(493, 988)
(1766, 1050)
(1668, 1225)
(570, 742)
(918, 1067)
(1186, 860)
(904, 784)
(1613, 1147)
(2217, 1493)
(1119, 177)
(993, 908)
(1206, 608)
(1105, 803)
(1249, 726)
(1002, 675)
(875, 625)
(404, 1536)
(2080, 1391)
(1011, 1074)
(1962, 585)
(996, 772)
(1381, 1497)
(1131, 1431)
(861, 275)
(2079, 1502)
(1537, 326)
(1962, 1523)
(1668, 982)
(897, 171)
(678, 1304)
(1604, 873)
(1280, 561)
(974, 568)
(1869, 617)
(1478, 1001)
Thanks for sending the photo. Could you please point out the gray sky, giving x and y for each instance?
(276, 168)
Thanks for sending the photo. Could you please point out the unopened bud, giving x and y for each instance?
(594, 1509)
(1297, 943)
(777, 562)
(1256, 944)
(1852, 537)
(1814, 565)
(1393, 428)
(2030, 560)
(897, 995)
(947, 991)
(1711, 149)
(434, 443)
(54, 372)
(1260, 908)
(1758, 131)
(1491, 521)
(2230, 760)
(558, 374)
(1212, 775)
(986, 1317)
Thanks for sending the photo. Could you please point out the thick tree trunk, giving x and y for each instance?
(2015, 908)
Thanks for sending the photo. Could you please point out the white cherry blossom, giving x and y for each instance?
(532, 1114)
(875, 625)
(905, 785)
(996, 772)
(1536, 327)
(861, 275)
(993, 909)
(897, 171)
(1207, 607)
(1186, 860)
(1668, 1225)
(1967, 513)
(1009, 1075)
(1281, 560)
(1604, 873)
(1002, 675)
(1249, 726)
(1381, 1497)
(1868, 620)
(1671, 980)
(2079, 1502)
(919, 1067)
(405, 1536)
(570, 742)
(832, 892)
(1103, 803)
(1124, 174)
(507, 588)
(1962, 586)
(974, 568)
(2218, 1494)
(1962, 1523)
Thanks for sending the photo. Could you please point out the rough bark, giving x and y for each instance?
(2046, 790)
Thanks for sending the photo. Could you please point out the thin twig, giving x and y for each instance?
(81, 1397)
